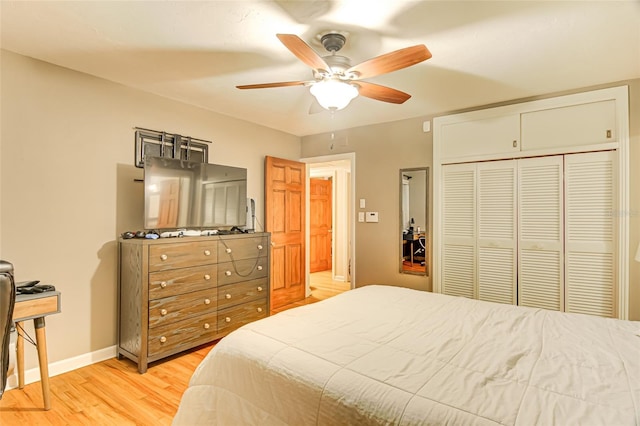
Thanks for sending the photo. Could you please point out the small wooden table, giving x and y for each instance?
(35, 307)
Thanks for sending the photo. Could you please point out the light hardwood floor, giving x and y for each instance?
(113, 393)
(322, 287)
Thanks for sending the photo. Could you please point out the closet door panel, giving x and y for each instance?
(584, 124)
(459, 230)
(540, 278)
(488, 135)
(590, 227)
(458, 275)
(497, 214)
(540, 233)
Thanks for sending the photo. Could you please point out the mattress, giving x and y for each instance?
(389, 355)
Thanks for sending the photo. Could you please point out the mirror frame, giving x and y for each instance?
(426, 225)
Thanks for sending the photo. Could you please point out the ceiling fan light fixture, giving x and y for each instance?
(334, 94)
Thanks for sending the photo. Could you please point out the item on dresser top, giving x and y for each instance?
(234, 230)
(27, 283)
(128, 235)
(191, 233)
(208, 232)
(140, 234)
(169, 234)
(37, 288)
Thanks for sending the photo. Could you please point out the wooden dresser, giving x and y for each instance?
(178, 293)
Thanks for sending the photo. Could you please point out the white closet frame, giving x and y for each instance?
(508, 122)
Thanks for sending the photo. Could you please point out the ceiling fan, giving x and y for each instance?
(336, 82)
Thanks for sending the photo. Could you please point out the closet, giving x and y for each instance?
(535, 232)
(527, 202)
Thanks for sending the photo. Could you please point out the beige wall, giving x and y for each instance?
(383, 149)
(67, 189)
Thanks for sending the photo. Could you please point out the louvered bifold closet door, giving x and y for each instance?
(497, 256)
(540, 233)
(590, 190)
(459, 230)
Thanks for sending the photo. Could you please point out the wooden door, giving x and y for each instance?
(285, 220)
(320, 217)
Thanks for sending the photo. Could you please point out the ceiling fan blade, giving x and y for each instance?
(382, 93)
(304, 52)
(267, 85)
(391, 61)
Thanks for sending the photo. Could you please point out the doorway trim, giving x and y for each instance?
(310, 161)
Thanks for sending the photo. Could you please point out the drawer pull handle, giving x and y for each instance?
(163, 339)
(163, 257)
(163, 284)
(207, 277)
(227, 319)
(206, 326)
(207, 301)
(259, 288)
(259, 309)
(228, 250)
(228, 296)
(259, 267)
(227, 273)
(207, 253)
(163, 312)
(259, 246)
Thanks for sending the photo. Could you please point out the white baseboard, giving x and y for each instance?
(63, 366)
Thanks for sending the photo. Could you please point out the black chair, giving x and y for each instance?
(7, 302)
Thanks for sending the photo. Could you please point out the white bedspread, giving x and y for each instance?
(388, 355)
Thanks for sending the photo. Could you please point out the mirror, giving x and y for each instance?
(414, 246)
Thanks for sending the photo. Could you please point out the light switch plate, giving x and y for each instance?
(360, 216)
(372, 216)
(363, 203)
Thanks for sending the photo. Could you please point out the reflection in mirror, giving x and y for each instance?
(413, 221)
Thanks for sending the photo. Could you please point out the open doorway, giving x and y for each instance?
(330, 250)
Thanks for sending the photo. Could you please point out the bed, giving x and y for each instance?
(389, 355)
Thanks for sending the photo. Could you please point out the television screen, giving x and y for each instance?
(191, 195)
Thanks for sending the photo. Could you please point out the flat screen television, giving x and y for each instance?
(180, 194)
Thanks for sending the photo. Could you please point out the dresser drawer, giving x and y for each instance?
(235, 294)
(242, 270)
(182, 255)
(185, 334)
(242, 248)
(174, 308)
(177, 281)
(231, 318)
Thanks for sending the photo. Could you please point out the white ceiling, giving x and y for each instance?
(197, 52)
